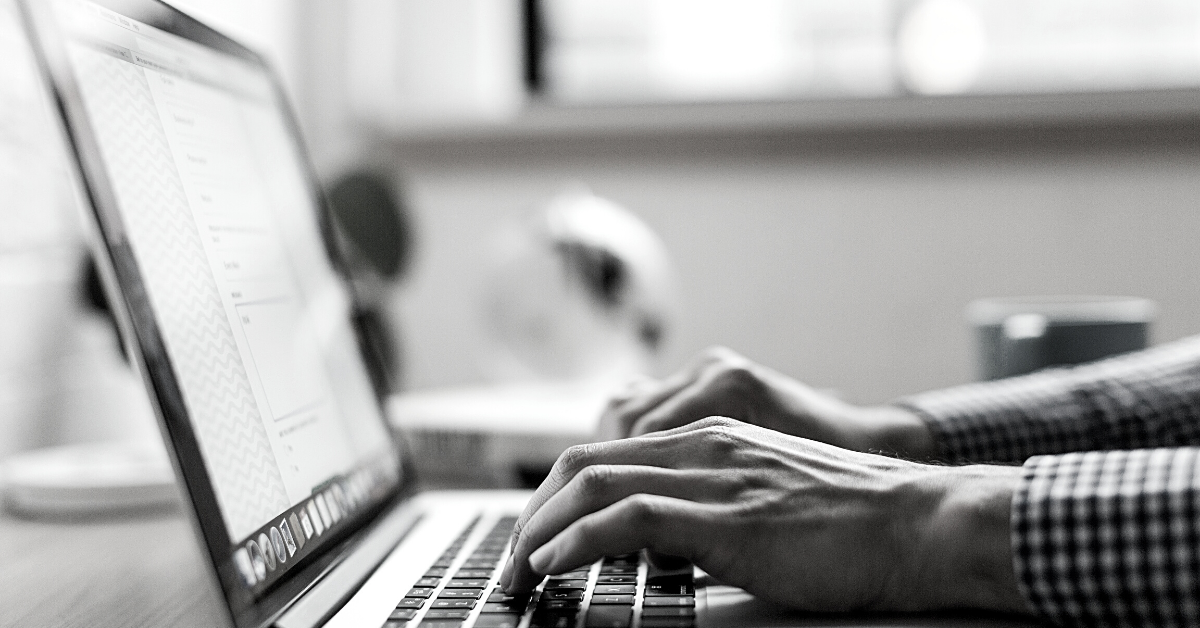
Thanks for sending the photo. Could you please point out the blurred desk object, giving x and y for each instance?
(119, 572)
(495, 436)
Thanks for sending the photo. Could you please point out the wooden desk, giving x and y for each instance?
(126, 572)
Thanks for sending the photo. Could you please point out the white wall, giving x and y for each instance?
(844, 258)
(846, 263)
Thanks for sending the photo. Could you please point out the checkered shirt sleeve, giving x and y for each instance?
(1139, 400)
(1108, 535)
(1110, 538)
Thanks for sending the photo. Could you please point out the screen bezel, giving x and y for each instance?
(141, 334)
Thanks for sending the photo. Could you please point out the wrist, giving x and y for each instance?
(895, 430)
(964, 552)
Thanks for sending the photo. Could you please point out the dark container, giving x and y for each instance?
(1024, 334)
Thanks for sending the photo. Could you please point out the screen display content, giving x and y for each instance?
(215, 204)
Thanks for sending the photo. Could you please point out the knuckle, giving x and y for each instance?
(721, 437)
(642, 510)
(576, 457)
(739, 377)
(721, 353)
(595, 479)
(712, 424)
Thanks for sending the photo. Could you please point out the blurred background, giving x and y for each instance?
(831, 181)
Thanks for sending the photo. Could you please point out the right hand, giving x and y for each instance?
(802, 523)
(720, 382)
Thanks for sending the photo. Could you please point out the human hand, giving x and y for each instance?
(788, 519)
(720, 382)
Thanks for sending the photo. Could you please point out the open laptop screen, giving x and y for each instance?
(214, 205)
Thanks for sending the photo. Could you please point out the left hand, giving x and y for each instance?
(788, 519)
(720, 382)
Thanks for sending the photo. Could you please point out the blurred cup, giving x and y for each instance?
(1020, 335)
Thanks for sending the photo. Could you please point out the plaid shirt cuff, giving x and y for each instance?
(1145, 399)
(1006, 420)
(1110, 538)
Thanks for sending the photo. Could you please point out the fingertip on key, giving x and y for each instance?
(507, 574)
(541, 559)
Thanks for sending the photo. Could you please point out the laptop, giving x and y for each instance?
(216, 250)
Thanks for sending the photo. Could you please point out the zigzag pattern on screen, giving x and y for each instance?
(183, 292)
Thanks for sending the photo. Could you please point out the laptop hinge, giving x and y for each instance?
(332, 591)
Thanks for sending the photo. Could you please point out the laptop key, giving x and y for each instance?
(578, 574)
(419, 592)
(559, 605)
(668, 611)
(563, 594)
(623, 579)
(447, 613)
(498, 621)
(474, 573)
(612, 599)
(553, 620)
(428, 582)
(618, 569)
(501, 607)
(559, 585)
(669, 600)
(668, 622)
(498, 595)
(615, 589)
(655, 589)
(453, 603)
(404, 614)
(467, 583)
(411, 602)
(472, 594)
(609, 617)
(441, 623)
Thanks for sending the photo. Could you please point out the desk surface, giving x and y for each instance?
(144, 571)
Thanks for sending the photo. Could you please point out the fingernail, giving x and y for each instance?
(541, 559)
(506, 575)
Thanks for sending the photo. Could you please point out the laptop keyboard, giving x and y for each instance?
(617, 592)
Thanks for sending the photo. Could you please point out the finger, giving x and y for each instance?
(671, 449)
(663, 524)
(635, 387)
(609, 426)
(699, 400)
(598, 487)
(620, 416)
